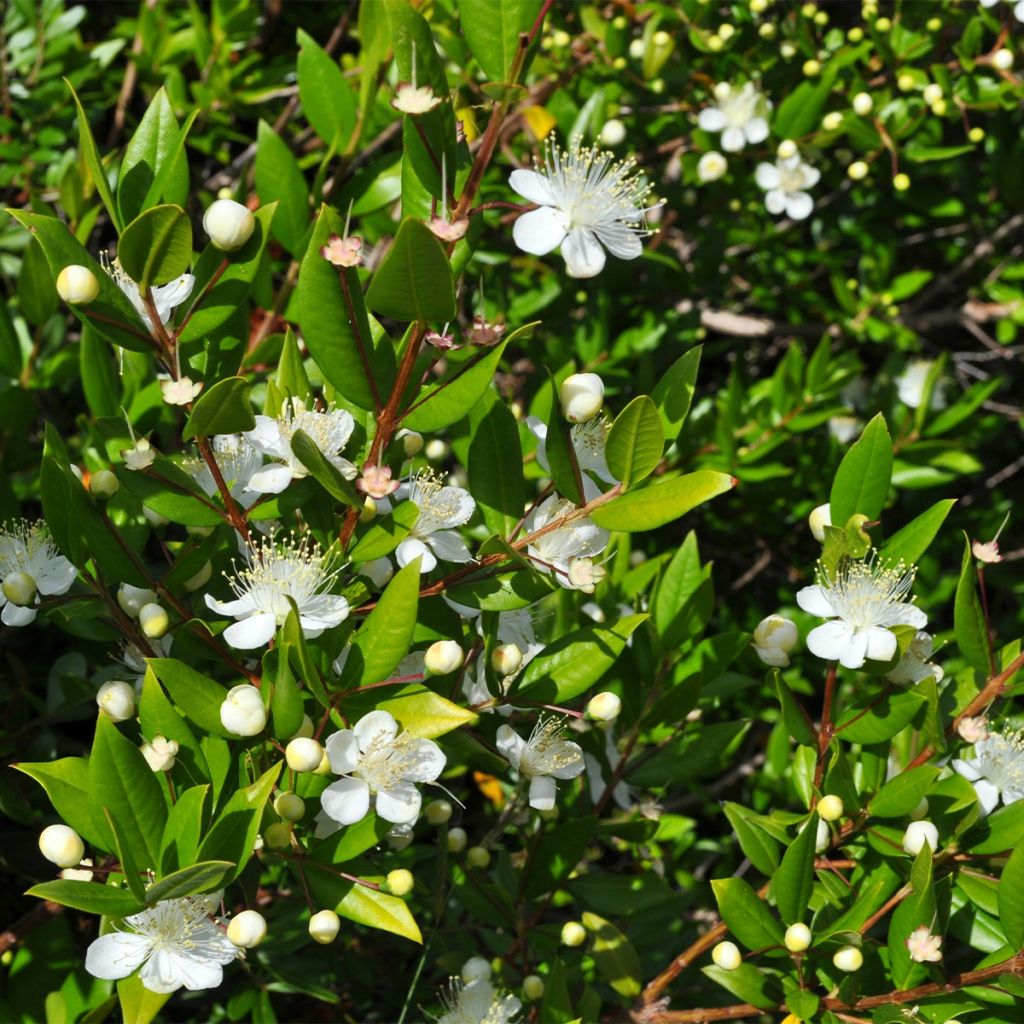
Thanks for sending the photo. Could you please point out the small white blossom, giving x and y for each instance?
(923, 946)
(277, 571)
(166, 298)
(479, 1002)
(176, 943)
(343, 252)
(972, 730)
(140, 456)
(863, 601)
(586, 199)
(160, 753)
(588, 441)
(30, 565)
(543, 758)
(712, 166)
(376, 760)
(914, 665)
(181, 391)
(413, 99)
(329, 431)
(578, 538)
(996, 770)
(741, 115)
(785, 184)
(433, 535)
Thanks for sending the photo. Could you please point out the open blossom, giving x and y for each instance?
(30, 565)
(741, 115)
(328, 430)
(376, 760)
(578, 538)
(413, 99)
(785, 183)
(588, 441)
(996, 770)
(914, 665)
(862, 602)
(543, 758)
(343, 252)
(277, 571)
(166, 298)
(586, 199)
(236, 459)
(433, 535)
(910, 385)
(479, 1002)
(180, 391)
(923, 946)
(176, 943)
(972, 730)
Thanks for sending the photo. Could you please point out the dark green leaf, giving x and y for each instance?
(87, 146)
(794, 880)
(492, 28)
(223, 409)
(747, 916)
(323, 470)
(91, 897)
(969, 617)
(635, 441)
(910, 543)
(662, 502)
(327, 100)
(495, 466)
(157, 246)
(674, 392)
(203, 877)
(617, 961)
(862, 480)
(415, 280)
(279, 180)
(1011, 899)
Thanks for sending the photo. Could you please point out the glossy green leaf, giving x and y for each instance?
(503, 593)
(87, 146)
(903, 792)
(673, 393)
(747, 916)
(492, 28)
(37, 293)
(913, 540)
(969, 617)
(328, 101)
(350, 842)
(197, 695)
(203, 877)
(761, 849)
(223, 409)
(862, 480)
(794, 880)
(415, 280)
(800, 112)
(184, 830)
(1011, 899)
(560, 451)
(748, 983)
(100, 381)
(138, 1004)
(798, 722)
(384, 638)
(291, 375)
(126, 858)
(66, 783)
(662, 502)
(417, 709)
(617, 961)
(385, 533)
(495, 466)
(280, 180)
(880, 719)
(92, 897)
(635, 441)
(323, 470)
(379, 910)
(157, 246)
(286, 709)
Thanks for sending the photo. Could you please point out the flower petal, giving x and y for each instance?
(988, 795)
(428, 761)
(373, 725)
(17, 615)
(510, 745)
(582, 253)
(756, 130)
(829, 640)
(252, 632)
(343, 751)
(855, 651)
(532, 186)
(767, 176)
(814, 601)
(619, 240)
(266, 436)
(574, 763)
(412, 548)
(116, 955)
(57, 577)
(346, 801)
(449, 546)
(966, 768)
(272, 479)
(711, 119)
(542, 792)
(799, 205)
(234, 609)
(193, 973)
(540, 231)
(733, 139)
(775, 201)
(881, 644)
(400, 804)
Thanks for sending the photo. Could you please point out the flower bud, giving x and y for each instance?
(324, 767)
(972, 730)
(103, 484)
(443, 657)
(604, 707)
(117, 700)
(818, 520)
(917, 835)
(812, 68)
(247, 929)
(324, 926)
(506, 659)
(883, 24)
(77, 285)
(905, 82)
(798, 938)
(438, 812)
(855, 34)
(435, 449)
(160, 753)
(830, 808)
(476, 968)
(477, 857)
(61, 845)
(901, 182)
(303, 755)
(412, 443)
(278, 836)
(305, 730)
(766, 30)
(1002, 60)
(584, 575)
(132, 599)
(369, 510)
(200, 579)
(573, 933)
(727, 956)
(400, 882)
(786, 149)
(832, 121)
(457, 840)
(823, 837)
(774, 638)
(533, 987)
(636, 49)
(153, 620)
(787, 49)
(19, 588)
(229, 224)
(858, 170)
(863, 104)
(932, 93)
(613, 133)
(712, 166)
(582, 396)
(849, 959)
(290, 806)
(242, 712)
(976, 135)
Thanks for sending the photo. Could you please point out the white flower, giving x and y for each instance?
(785, 183)
(140, 456)
(923, 946)
(166, 298)
(996, 770)
(712, 166)
(277, 571)
(774, 638)
(329, 431)
(740, 115)
(914, 665)
(972, 730)
(911, 382)
(479, 1002)
(585, 200)
(77, 285)
(918, 835)
(176, 944)
(588, 441)
(432, 536)
(413, 99)
(117, 700)
(180, 391)
(553, 551)
(160, 753)
(375, 759)
(30, 565)
(236, 459)
(622, 794)
(863, 601)
(844, 428)
(544, 757)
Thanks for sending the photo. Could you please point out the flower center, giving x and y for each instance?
(328, 430)
(864, 593)
(1002, 761)
(439, 505)
(387, 760)
(791, 179)
(546, 749)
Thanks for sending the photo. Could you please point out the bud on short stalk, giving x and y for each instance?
(229, 224)
(303, 755)
(506, 659)
(830, 808)
(289, 806)
(77, 285)
(604, 707)
(438, 812)
(774, 638)
(443, 657)
(324, 926)
(242, 712)
(153, 620)
(581, 396)
(798, 938)
(476, 968)
(848, 959)
(400, 882)
(117, 701)
(818, 520)
(727, 956)
(103, 484)
(19, 588)
(573, 934)
(277, 836)
(247, 929)
(863, 104)
(478, 857)
(457, 840)
(533, 987)
(918, 834)
(61, 845)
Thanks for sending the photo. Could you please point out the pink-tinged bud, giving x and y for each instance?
(343, 252)
(376, 481)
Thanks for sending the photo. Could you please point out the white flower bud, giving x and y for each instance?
(324, 926)
(369, 510)
(61, 845)
(305, 730)
(858, 170)
(604, 707)
(636, 49)
(727, 956)
(533, 987)
(290, 806)
(830, 808)
(476, 968)
(160, 753)
(153, 620)
(412, 443)
(457, 840)
(506, 659)
(786, 149)
(77, 285)
(117, 700)
(970, 730)
(19, 588)
(200, 579)
(443, 657)
(278, 836)
(863, 104)
(242, 712)
(818, 520)
(573, 933)
(1002, 60)
(247, 929)
(932, 93)
(83, 873)
(774, 638)
(584, 575)
(832, 121)
(613, 133)
(132, 599)
(917, 835)
(379, 571)
(103, 484)
(823, 838)
(849, 959)
(798, 938)
(712, 166)
(435, 449)
(582, 396)
(229, 224)
(303, 755)
(400, 882)
(478, 857)
(438, 812)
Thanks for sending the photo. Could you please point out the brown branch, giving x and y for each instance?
(38, 915)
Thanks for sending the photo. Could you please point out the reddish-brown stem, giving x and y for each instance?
(236, 516)
(827, 729)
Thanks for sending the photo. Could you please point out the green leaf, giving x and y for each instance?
(158, 717)
(327, 100)
(748, 983)
(560, 452)
(157, 246)
(800, 112)
(492, 28)
(760, 848)
(184, 830)
(91, 897)
(126, 858)
(379, 910)
(995, 833)
(415, 280)
(902, 793)
(503, 593)
(280, 180)
(1011, 899)
(572, 664)
(674, 392)
(617, 961)
(336, 328)
(798, 722)
(910, 543)
(197, 695)
(794, 880)
(100, 381)
(385, 637)
(223, 409)
(347, 843)
(862, 480)
(37, 293)
(286, 709)
(969, 617)
(203, 877)
(417, 709)
(747, 916)
(684, 595)
(66, 783)
(635, 441)
(881, 719)
(87, 146)
(291, 373)
(323, 470)
(138, 1004)
(662, 502)
(385, 534)
(555, 857)
(916, 909)
(495, 466)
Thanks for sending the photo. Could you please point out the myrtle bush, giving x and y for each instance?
(508, 511)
